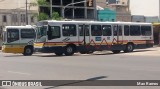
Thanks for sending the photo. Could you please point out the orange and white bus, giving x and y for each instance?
(68, 37)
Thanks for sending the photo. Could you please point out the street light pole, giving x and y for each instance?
(63, 10)
(26, 13)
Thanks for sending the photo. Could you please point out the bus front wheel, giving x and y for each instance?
(69, 50)
(28, 51)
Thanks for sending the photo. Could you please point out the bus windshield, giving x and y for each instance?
(41, 34)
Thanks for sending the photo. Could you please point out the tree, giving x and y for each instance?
(42, 16)
(56, 16)
(42, 3)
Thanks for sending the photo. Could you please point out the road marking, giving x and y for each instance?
(22, 73)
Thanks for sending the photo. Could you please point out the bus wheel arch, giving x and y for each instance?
(28, 50)
(129, 47)
(70, 49)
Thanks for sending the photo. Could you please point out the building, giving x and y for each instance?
(14, 12)
(106, 15)
(72, 9)
(101, 3)
(122, 10)
(117, 1)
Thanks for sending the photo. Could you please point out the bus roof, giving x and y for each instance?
(27, 26)
(50, 22)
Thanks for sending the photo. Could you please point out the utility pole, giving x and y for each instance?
(51, 11)
(26, 13)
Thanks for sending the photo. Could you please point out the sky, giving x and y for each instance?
(144, 7)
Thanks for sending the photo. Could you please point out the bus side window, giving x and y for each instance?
(80, 29)
(96, 30)
(115, 30)
(87, 30)
(69, 30)
(126, 30)
(135, 30)
(107, 30)
(55, 32)
(120, 30)
(146, 30)
(12, 35)
(27, 33)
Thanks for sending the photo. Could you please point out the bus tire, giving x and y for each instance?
(69, 50)
(59, 53)
(129, 48)
(116, 51)
(28, 51)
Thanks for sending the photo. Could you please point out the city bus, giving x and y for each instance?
(18, 39)
(68, 37)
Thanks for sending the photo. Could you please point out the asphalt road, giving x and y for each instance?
(139, 65)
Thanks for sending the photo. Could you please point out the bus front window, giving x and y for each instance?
(41, 34)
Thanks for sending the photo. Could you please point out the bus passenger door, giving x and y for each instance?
(83, 34)
(117, 34)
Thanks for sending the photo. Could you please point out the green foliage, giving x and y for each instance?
(56, 16)
(42, 16)
(42, 3)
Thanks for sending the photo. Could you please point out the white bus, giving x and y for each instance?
(68, 37)
(18, 39)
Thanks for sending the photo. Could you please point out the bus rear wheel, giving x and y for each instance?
(28, 51)
(129, 48)
(69, 50)
(116, 51)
